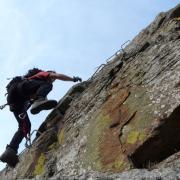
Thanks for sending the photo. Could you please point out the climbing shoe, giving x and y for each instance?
(42, 104)
(10, 157)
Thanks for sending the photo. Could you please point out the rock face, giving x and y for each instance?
(123, 123)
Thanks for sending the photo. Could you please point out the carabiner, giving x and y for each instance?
(22, 116)
(28, 143)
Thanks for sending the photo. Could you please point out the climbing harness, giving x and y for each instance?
(28, 142)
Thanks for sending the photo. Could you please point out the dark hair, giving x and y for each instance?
(32, 72)
(51, 71)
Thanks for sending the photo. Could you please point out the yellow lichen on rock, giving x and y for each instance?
(53, 146)
(119, 162)
(96, 131)
(39, 168)
(135, 136)
(142, 136)
(132, 137)
(177, 18)
(61, 137)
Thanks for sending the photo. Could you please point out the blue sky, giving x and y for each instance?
(69, 36)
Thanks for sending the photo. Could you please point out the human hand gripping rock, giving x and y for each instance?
(76, 78)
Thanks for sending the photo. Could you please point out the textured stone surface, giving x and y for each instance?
(126, 116)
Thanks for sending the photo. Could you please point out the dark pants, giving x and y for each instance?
(23, 95)
(23, 129)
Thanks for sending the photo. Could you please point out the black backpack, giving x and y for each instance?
(13, 83)
(12, 89)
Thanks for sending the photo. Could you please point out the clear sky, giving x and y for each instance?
(72, 37)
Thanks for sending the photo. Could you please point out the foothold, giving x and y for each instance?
(113, 125)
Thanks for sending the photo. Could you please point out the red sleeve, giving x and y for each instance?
(40, 75)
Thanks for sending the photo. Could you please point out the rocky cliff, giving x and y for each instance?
(123, 123)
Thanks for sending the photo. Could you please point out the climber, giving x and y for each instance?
(24, 92)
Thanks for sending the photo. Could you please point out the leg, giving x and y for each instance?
(24, 129)
(40, 88)
(10, 154)
(44, 90)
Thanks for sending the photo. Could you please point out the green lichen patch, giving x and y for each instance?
(39, 168)
(120, 163)
(95, 134)
(132, 137)
(103, 148)
(61, 137)
(177, 18)
(53, 146)
(135, 136)
(104, 151)
(142, 136)
(140, 102)
(136, 131)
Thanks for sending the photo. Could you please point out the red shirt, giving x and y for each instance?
(40, 75)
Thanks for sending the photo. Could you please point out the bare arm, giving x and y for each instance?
(60, 77)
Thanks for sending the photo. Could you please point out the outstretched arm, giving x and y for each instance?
(60, 77)
(64, 77)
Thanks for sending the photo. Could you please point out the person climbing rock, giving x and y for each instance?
(30, 90)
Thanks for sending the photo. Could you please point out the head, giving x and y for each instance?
(32, 72)
(51, 71)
